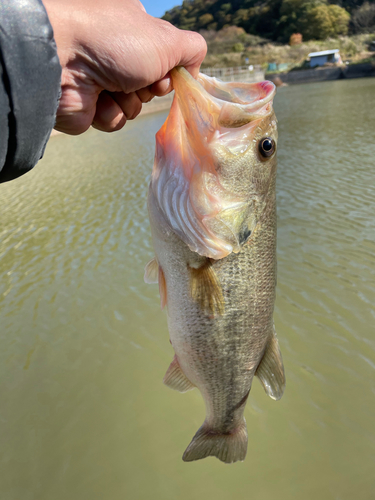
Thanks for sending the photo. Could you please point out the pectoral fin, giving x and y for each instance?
(176, 379)
(151, 272)
(205, 288)
(271, 369)
(154, 274)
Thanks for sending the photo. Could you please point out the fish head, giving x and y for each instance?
(215, 162)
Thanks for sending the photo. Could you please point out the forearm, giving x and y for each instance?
(30, 85)
(113, 55)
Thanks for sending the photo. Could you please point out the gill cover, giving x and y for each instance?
(207, 116)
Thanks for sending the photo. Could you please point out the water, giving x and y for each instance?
(84, 345)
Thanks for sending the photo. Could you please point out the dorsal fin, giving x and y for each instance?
(271, 369)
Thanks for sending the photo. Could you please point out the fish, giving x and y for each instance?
(212, 212)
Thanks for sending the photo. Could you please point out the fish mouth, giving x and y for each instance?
(228, 105)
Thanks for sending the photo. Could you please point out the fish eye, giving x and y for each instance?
(267, 147)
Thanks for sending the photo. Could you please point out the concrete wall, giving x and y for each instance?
(359, 70)
(322, 74)
(308, 75)
(243, 76)
(236, 74)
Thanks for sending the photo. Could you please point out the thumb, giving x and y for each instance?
(189, 50)
(193, 51)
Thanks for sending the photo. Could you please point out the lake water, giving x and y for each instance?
(84, 346)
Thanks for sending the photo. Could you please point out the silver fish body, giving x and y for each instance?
(216, 255)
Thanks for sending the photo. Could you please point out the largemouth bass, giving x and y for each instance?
(212, 208)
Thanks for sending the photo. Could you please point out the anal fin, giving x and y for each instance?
(271, 369)
(176, 379)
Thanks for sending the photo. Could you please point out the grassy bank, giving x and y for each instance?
(232, 46)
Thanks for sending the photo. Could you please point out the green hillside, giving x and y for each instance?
(277, 20)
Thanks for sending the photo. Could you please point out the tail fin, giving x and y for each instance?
(228, 448)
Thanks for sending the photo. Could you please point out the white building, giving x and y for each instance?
(323, 57)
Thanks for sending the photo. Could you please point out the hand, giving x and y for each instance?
(114, 57)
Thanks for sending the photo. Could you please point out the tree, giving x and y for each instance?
(314, 19)
(318, 23)
(205, 19)
(364, 18)
(276, 19)
(238, 47)
(240, 17)
(340, 20)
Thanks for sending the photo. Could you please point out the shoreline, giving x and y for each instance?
(290, 78)
(361, 70)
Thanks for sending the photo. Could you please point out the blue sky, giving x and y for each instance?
(157, 8)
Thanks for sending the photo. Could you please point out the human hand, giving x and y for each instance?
(114, 57)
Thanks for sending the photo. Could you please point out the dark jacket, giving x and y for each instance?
(30, 76)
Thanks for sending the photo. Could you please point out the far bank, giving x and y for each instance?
(290, 78)
(322, 74)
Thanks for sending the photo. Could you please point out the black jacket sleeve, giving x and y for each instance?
(30, 76)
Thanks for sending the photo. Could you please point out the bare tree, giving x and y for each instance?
(364, 18)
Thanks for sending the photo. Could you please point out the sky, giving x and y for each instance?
(157, 8)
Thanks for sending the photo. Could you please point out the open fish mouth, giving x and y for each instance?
(231, 104)
(209, 120)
